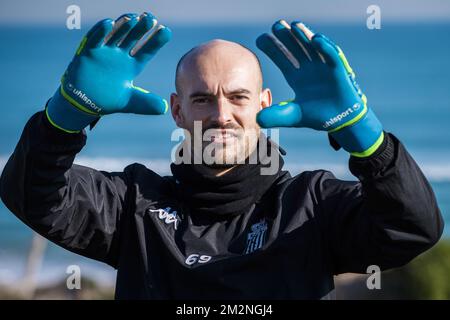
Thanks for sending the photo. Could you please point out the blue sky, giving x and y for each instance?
(225, 11)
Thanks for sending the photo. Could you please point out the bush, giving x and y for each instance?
(427, 276)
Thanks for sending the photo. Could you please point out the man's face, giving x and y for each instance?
(220, 85)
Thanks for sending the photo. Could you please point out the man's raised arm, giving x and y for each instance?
(390, 215)
(77, 207)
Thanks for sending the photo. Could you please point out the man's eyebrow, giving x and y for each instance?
(201, 94)
(197, 94)
(242, 90)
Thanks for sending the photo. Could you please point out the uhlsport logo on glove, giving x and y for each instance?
(81, 95)
(341, 116)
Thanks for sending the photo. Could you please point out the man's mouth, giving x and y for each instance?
(222, 136)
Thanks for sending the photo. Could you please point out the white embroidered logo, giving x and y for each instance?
(167, 216)
(80, 94)
(257, 237)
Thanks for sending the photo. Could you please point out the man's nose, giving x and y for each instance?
(221, 113)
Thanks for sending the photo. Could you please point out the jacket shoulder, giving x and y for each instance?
(311, 178)
(147, 181)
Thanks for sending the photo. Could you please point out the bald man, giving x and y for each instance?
(222, 226)
(219, 87)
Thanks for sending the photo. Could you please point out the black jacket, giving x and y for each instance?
(289, 245)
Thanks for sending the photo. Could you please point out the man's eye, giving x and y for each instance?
(239, 97)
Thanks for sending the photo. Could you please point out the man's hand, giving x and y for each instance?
(99, 80)
(326, 95)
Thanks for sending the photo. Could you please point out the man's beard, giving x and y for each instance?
(217, 146)
(221, 161)
(233, 151)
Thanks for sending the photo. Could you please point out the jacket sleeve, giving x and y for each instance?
(386, 219)
(74, 206)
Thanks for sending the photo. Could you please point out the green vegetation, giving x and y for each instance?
(426, 277)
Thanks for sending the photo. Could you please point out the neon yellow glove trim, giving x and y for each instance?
(372, 149)
(349, 123)
(56, 126)
(81, 46)
(76, 104)
(345, 62)
(139, 89)
(283, 103)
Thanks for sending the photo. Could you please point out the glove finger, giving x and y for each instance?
(303, 36)
(143, 102)
(275, 50)
(336, 58)
(149, 47)
(121, 27)
(282, 31)
(327, 49)
(284, 114)
(146, 22)
(95, 36)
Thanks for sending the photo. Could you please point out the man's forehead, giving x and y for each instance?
(219, 61)
(229, 79)
(219, 48)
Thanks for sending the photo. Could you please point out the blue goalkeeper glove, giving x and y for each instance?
(99, 80)
(327, 96)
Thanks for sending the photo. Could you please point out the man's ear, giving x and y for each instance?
(175, 107)
(266, 98)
